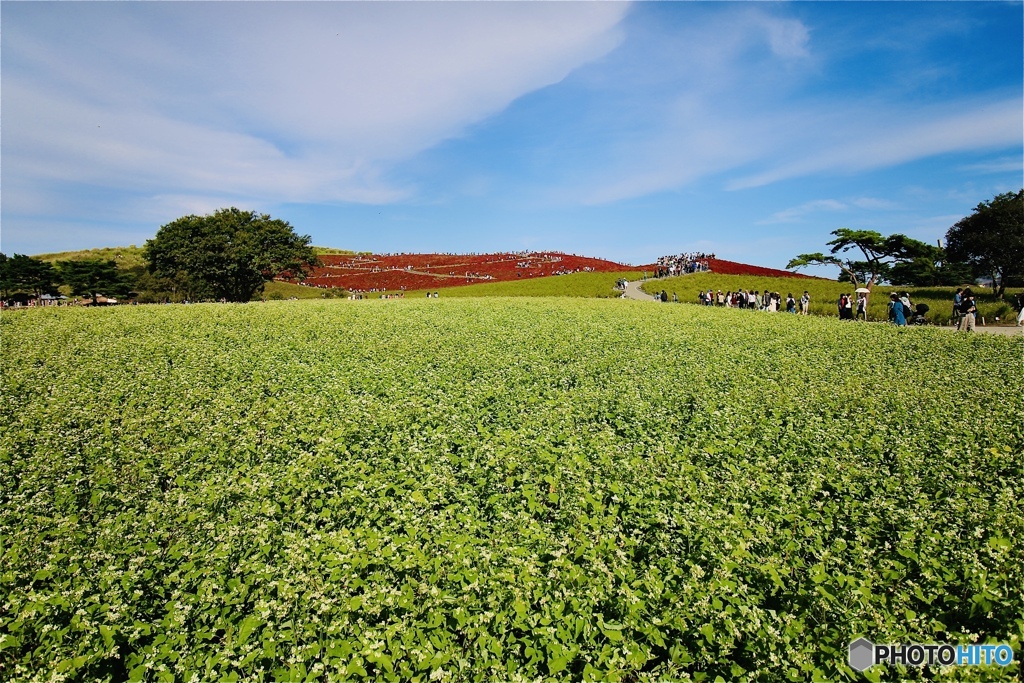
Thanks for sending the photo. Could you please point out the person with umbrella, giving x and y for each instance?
(862, 302)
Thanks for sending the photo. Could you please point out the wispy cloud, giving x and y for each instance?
(750, 118)
(1001, 165)
(871, 140)
(795, 213)
(268, 101)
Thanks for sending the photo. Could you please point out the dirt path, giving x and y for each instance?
(633, 291)
(994, 329)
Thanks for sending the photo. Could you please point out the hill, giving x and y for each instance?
(723, 267)
(125, 257)
(395, 272)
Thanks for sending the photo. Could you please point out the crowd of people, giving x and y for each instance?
(750, 299)
(681, 264)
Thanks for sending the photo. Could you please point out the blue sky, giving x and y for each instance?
(625, 131)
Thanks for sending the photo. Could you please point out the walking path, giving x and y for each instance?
(995, 329)
(633, 291)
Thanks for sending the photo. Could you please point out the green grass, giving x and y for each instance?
(125, 257)
(825, 294)
(587, 285)
(132, 255)
(287, 290)
(343, 252)
(500, 489)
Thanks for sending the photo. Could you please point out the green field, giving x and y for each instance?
(825, 294)
(500, 489)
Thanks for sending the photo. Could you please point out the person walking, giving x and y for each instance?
(805, 303)
(896, 311)
(862, 307)
(968, 311)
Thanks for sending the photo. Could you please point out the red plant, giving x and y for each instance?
(436, 271)
(733, 268)
(393, 272)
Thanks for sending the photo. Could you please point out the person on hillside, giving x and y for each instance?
(841, 305)
(957, 300)
(675, 299)
(862, 307)
(664, 297)
(908, 307)
(1018, 303)
(790, 303)
(968, 311)
(896, 311)
(805, 303)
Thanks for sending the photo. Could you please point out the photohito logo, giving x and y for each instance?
(864, 654)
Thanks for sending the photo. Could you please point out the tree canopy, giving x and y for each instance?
(26, 274)
(229, 254)
(897, 259)
(93, 277)
(991, 239)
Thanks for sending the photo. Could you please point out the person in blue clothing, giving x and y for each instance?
(896, 311)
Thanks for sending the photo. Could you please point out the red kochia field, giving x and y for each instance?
(393, 272)
(732, 268)
(435, 271)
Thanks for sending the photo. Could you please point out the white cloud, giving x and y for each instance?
(1001, 165)
(874, 204)
(787, 37)
(870, 140)
(272, 101)
(753, 118)
(717, 77)
(795, 213)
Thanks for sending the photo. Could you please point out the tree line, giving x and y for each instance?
(227, 255)
(987, 244)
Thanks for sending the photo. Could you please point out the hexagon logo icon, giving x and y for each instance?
(862, 654)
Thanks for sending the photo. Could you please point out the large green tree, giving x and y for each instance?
(229, 254)
(880, 255)
(93, 277)
(991, 239)
(20, 273)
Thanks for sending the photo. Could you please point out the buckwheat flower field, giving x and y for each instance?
(500, 489)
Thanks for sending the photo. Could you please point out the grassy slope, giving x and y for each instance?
(287, 290)
(125, 257)
(825, 294)
(132, 255)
